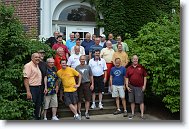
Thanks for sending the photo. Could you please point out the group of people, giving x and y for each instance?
(80, 70)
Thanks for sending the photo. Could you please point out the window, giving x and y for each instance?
(77, 13)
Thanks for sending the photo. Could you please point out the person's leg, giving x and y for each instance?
(133, 108)
(73, 109)
(87, 104)
(79, 107)
(142, 109)
(54, 110)
(117, 103)
(100, 97)
(45, 113)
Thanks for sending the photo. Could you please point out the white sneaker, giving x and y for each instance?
(100, 106)
(93, 106)
(55, 118)
(45, 119)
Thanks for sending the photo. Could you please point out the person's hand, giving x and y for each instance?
(104, 80)
(76, 86)
(111, 88)
(143, 88)
(129, 89)
(29, 95)
(57, 89)
(92, 87)
(45, 91)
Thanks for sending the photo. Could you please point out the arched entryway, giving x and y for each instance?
(74, 16)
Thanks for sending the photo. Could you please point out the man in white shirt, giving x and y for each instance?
(82, 49)
(98, 66)
(73, 60)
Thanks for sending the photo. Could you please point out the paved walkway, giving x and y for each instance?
(111, 117)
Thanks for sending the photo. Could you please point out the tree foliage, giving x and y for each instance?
(15, 51)
(158, 47)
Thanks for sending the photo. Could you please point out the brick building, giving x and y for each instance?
(42, 17)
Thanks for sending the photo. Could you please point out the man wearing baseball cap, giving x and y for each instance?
(102, 40)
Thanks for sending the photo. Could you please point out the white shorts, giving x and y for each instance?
(50, 101)
(118, 91)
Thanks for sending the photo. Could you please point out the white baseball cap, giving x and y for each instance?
(103, 36)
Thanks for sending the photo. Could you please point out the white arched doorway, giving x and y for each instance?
(74, 16)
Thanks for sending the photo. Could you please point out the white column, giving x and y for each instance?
(46, 19)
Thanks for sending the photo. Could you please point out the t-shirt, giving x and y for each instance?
(118, 75)
(51, 81)
(93, 48)
(73, 60)
(87, 44)
(57, 60)
(57, 45)
(68, 78)
(85, 71)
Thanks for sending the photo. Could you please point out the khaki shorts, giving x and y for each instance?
(50, 101)
(118, 91)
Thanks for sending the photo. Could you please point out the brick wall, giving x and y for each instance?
(28, 13)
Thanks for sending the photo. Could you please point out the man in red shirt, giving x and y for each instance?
(136, 85)
(59, 44)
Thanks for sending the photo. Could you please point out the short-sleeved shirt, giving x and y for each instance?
(123, 56)
(68, 78)
(51, 41)
(73, 60)
(136, 75)
(70, 44)
(93, 48)
(33, 73)
(82, 50)
(118, 75)
(57, 45)
(87, 44)
(85, 72)
(51, 81)
(124, 47)
(107, 54)
(98, 67)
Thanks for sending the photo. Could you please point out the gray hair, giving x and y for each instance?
(48, 59)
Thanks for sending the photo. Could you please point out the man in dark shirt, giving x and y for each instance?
(52, 40)
(43, 69)
(87, 43)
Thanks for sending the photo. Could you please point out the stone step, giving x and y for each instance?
(106, 102)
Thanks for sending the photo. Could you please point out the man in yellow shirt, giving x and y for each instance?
(67, 75)
(122, 55)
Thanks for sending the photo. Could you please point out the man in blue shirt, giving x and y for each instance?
(94, 47)
(87, 43)
(117, 85)
(70, 42)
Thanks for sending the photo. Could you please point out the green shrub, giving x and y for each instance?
(15, 51)
(158, 47)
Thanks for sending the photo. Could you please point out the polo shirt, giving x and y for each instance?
(98, 67)
(93, 48)
(107, 54)
(73, 60)
(87, 44)
(136, 75)
(33, 73)
(70, 44)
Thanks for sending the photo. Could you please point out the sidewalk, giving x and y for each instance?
(111, 117)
